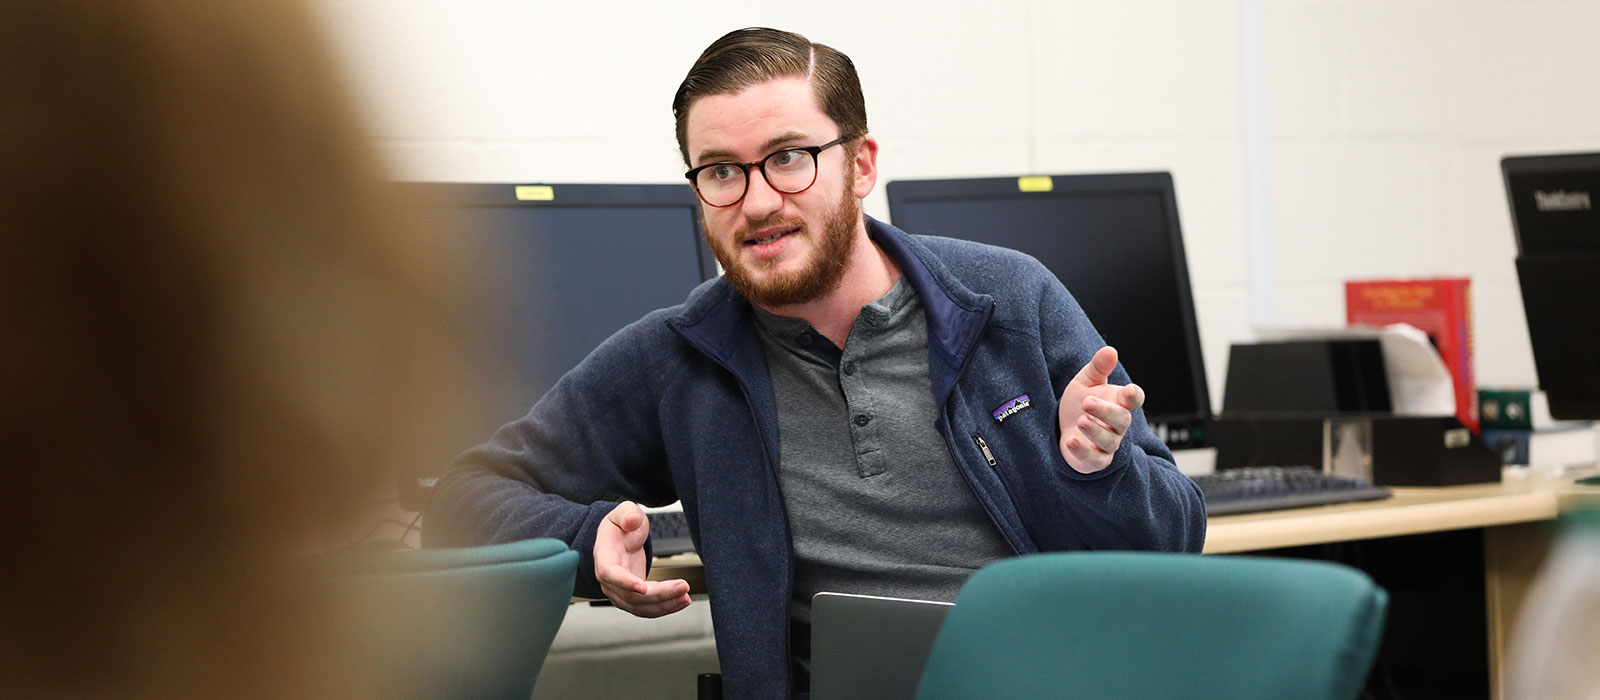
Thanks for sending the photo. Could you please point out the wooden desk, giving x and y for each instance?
(1514, 516)
(1412, 511)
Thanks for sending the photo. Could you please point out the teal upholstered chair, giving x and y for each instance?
(471, 623)
(1148, 625)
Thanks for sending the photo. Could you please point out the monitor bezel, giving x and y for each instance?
(434, 194)
(1515, 167)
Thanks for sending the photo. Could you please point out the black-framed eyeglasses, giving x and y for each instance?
(790, 171)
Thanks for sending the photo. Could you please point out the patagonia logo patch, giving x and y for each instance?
(1012, 407)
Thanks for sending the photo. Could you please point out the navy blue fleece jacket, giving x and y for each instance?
(679, 406)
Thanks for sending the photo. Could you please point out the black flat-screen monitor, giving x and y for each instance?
(1114, 241)
(556, 269)
(1555, 213)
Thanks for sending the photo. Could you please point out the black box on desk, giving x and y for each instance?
(1308, 377)
(1406, 450)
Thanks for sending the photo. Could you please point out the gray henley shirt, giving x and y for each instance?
(876, 504)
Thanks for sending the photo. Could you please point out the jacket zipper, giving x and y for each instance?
(984, 446)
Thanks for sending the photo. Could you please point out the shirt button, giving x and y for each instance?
(804, 340)
(862, 420)
(849, 369)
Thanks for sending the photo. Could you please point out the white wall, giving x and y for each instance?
(1384, 119)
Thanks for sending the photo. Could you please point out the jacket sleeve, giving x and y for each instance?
(1141, 500)
(588, 444)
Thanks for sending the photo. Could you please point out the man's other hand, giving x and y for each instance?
(1095, 415)
(620, 566)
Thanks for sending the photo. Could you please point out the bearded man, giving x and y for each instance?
(848, 408)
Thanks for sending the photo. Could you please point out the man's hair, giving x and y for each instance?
(749, 57)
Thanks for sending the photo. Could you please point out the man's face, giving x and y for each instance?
(778, 249)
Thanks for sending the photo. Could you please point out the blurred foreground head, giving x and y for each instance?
(218, 336)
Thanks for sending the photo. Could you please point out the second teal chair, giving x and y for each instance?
(472, 623)
(1148, 625)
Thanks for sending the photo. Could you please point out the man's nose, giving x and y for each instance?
(760, 199)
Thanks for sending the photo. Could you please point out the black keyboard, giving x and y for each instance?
(1251, 489)
(669, 533)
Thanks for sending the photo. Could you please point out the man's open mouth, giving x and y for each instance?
(771, 238)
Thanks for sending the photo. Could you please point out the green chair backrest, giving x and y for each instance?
(472, 623)
(1153, 625)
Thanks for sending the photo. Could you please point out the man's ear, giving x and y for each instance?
(866, 166)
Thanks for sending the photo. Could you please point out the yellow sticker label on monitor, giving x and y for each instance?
(1035, 183)
(535, 193)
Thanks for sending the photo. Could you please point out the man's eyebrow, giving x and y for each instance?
(714, 157)
(720, 156)
(773, 144)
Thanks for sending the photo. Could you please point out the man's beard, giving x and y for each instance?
(829, 261)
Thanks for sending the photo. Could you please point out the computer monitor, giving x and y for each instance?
(1555, 214)
(1114, 241)
(557, 269)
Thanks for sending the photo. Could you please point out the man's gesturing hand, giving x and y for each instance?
(1095, 415)
(619, 565)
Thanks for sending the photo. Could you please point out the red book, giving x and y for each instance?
(1442, 308)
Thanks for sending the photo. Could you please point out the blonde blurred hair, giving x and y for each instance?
(219, 337)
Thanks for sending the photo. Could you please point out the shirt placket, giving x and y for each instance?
(861, 405)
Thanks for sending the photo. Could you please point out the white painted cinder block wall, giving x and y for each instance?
(1381, 122)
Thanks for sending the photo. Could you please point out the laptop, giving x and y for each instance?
(870, 647)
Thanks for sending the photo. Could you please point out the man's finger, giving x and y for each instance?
(653, 592)
(1099, 369)
(1087, 453)
(634, 539)
(627, 516)
(1114, 417)
(663, 591)
(619, 577)
(1103, 438)
(1131, 397)
(659, 598)
(656, 609)
(634, 524)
